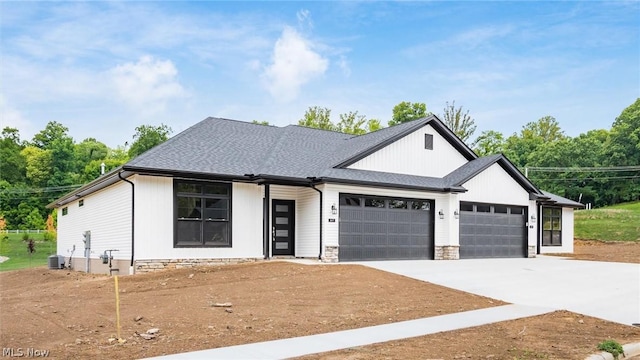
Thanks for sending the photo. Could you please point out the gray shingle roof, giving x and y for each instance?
(562, 201)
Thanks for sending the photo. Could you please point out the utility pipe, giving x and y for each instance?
(321, 207)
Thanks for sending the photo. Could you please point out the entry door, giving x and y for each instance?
(283, 227)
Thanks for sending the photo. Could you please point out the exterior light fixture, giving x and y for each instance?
(533, 218)
(456, 213)
(441, 214)
(334, 210)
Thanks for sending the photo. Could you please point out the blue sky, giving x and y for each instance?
(103, 68)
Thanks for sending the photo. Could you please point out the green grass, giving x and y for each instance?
(619, 222)
(16, 250)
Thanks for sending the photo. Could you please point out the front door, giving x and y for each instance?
(283, 227)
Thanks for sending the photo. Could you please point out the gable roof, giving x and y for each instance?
(469, 170)
(225, 149)
(562, 201)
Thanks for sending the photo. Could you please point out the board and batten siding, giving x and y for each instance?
(566, 235)
(155, 220)
(442, 227)
(495, 186)
(307, 223)
(409, 156)
(107, 214)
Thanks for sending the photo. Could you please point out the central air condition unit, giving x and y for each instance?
(56, 262)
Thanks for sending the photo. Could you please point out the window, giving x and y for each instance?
(466, 206)
(397, 204)
(371, 202)
(421, 205)
(428, 141)
(483, 208)
(81, 203)
(500, 209)
(203, 212)
(65, 211)
(350, 201)
(551, 227)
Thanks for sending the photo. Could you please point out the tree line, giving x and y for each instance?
(33, 173)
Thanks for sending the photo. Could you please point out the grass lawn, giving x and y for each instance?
(16, 250)
(619, 222)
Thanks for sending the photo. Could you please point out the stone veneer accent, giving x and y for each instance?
(447, 252)
(144, 266)
(331, 254)
(532, 251)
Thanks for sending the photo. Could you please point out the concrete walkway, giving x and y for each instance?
(305, 345)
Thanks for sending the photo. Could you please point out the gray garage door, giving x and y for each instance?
(492, 231)
(377, 228)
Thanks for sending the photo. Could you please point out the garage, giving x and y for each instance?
(381, 228)
(492, 231)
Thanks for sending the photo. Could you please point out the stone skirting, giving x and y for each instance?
(144, 266)
(531, 253)
(447, 252)
(331, 254)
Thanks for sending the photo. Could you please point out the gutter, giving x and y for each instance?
(133, 217)
(311, 185)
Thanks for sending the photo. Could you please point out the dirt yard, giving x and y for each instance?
(616, 251)
(72, 315)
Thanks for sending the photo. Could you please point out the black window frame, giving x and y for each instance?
(428, 141)
(65, 211)
(549, 214)
(202, 196)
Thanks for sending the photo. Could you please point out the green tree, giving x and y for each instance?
(53, 131)
(408, 111)
(148, 136)
(373, 125)
(352, 123)
(623, 145)
(458, 121)
(34, 221)
(89, 150)
(546, 129)
(319, 118)
(12, 163)
(260, 122)
(39, 165)
(489, 142)
(520, 147)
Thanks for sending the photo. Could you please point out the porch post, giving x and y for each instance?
(265, 222)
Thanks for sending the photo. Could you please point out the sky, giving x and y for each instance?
(104, 68)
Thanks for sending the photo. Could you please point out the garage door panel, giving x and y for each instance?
(395, 231)
(498, 233)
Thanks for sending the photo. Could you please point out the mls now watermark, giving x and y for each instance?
(24, 352)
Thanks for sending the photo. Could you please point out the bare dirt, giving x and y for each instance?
(611, 251)
(72, 315)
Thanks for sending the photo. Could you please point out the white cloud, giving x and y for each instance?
(11, 117)
(343, 64)
(304, 18)
(148, 84)
(294, 63)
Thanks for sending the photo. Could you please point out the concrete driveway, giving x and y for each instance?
(605, 290)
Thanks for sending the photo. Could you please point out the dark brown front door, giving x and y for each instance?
(283, 227)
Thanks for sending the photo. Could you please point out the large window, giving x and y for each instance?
(551, 227)
(203, 212)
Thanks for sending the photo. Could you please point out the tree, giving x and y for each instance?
(12, 163)
(351, 123)
(546, 129)
(623, 145)
(52, 132)
(458, 121)
(319, 118)
(89, 150)
(489, 142)
(148, 136)
(373, 125)
(407, 111)
(39, 165)
(34, 220)
(260, 122)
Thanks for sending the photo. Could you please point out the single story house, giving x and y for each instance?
(226, 190)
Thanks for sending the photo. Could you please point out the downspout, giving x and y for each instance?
(320, 192)
(265, 221)
(133, 218)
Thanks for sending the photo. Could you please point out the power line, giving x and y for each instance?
(40, 190)
(587, 178)
(582, 169)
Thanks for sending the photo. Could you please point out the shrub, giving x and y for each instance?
(611, 346)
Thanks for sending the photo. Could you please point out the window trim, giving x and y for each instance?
(551, 231)
(65, 211)
(202, 196)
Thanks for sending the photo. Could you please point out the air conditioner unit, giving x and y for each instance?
(56, 262)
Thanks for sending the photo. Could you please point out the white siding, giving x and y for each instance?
(495, 186)
(408, 156)
(246, 227)
(567, 235)
(308, 223)
(443, 233)
(107, 214)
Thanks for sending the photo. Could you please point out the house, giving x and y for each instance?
(226, 190)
